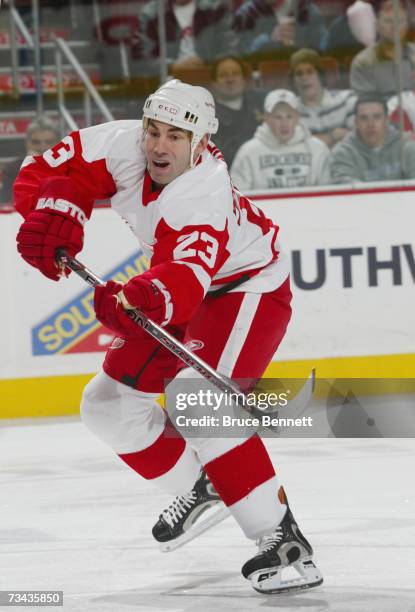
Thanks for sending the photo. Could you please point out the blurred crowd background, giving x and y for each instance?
(308, 93)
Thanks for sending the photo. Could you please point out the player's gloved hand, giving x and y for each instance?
(145, 295)
(110, 305)
(57, 222)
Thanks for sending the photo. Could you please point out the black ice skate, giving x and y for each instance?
(284, 551)
(182, 522)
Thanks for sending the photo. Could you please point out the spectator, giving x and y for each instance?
(282, 152)
(374, 69)
(327, 114)
(197, 31)
(350, 32)
(41, 134)
(264, 26)
(238, 108)
(372, 152)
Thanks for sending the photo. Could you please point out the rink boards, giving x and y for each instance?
(352, 258)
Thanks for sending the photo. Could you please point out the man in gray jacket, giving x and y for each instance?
(373, 70)
(372, 152)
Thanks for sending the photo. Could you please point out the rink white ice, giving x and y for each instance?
(74, 518)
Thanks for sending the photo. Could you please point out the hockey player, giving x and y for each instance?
(217, 277)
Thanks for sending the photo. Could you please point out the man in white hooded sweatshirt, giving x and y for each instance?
(282, 152)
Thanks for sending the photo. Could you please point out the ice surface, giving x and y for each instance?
(74, 518)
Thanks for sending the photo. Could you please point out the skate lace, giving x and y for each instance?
(269, 541)
(178, 508)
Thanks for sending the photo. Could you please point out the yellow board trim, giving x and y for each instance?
(60, 395)
(374, 366)
(41, 397)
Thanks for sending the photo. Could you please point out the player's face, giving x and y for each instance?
(168, 151)
(230, 82)
(40, 141)
(371, 123)
(307, 80)
(282, 121)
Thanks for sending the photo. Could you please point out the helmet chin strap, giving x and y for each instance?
(193, 144)
(196, 139)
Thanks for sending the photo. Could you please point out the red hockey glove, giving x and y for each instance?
(57, 222)
(142, 294)
(110, 312)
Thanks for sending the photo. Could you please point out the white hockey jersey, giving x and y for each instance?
(198, 232)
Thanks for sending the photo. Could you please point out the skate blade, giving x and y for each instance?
(200, 527)
(271, 581)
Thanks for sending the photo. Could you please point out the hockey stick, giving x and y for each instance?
(225, 384)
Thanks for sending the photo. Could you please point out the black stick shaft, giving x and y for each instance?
(163, 336)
